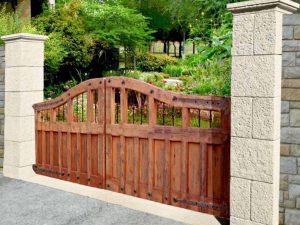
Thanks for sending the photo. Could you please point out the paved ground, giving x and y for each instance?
(23, 203)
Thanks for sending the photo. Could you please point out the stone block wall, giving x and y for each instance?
(290, 123)
(2, 72)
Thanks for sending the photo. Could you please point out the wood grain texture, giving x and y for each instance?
(183, 166)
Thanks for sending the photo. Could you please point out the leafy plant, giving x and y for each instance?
(55, 90)
(153, 62)
(12, 22)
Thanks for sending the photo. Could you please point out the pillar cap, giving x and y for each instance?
(24, 36)
(257, 5)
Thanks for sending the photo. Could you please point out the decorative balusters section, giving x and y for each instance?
(80, 108)
(44, 116)
(168, 115)
(137, 108)
(205, 118)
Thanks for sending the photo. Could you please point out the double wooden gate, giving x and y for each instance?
(128, 136)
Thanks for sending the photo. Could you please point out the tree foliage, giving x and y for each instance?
(82, 31)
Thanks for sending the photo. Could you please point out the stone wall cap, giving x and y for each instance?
(257, 5)
(24, 36)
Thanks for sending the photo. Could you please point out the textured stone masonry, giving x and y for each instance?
(256, 102)
(24, 72)
(2, 73)
(289, 199)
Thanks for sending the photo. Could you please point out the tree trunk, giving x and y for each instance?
(168, 47)
(175, 50)
(194, 47)
(182, 49)
(165, 47)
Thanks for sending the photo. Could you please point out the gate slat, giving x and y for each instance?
(78, 157)
(167, 172)
(137, 162)
(184, 175)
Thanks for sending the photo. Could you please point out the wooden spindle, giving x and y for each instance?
(124, 106)
(186, 118)
(152, 106)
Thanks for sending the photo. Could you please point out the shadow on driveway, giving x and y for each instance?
(23, 203)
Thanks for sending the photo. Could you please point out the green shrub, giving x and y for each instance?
(174, 70)
(55, 90)
(153, 62)
(11, 23)
(214, 79)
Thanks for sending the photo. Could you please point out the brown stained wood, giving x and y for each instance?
(203, 175)
(90, 107)
(167, 172)
(59, 152)
(124, 106)
(136, 189)
(185, 118)
(183, 166)
(184, 172)
(78, 156)
(152, 111)
(122, 163)
(151, 166)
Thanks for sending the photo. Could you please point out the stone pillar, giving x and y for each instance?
(24, 82)
(2, 73)
(256, 100)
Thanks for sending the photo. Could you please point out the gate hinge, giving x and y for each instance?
(221, 207)
(44, 170)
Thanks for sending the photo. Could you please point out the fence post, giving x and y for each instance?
(256, 100)
(24, 82)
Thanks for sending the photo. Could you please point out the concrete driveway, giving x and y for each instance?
(23, 203)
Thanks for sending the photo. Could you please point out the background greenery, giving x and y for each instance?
(85, 37)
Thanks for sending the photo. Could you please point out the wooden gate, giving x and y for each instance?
(128, 136)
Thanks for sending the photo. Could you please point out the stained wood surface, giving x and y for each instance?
(181, 165)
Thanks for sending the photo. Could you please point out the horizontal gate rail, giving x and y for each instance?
(131, 137)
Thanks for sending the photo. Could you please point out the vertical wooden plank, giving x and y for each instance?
(101, 173)
(36, 116)
(70, 111)
(89, 163)
(152, 111)
(59, 143)
(102, 119)
(78, 157)
(151, 166)
(90, 108)
(194, 183)
(124, 106)
(124, 120)
(167, 172)
(210, 181)
(111, 106)
(185, 117)
(52, 120)
(44, 149)
(185, 172)
(204, 178)
(101, 102)
(137, 164)
(69, 142)
(73, 174)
